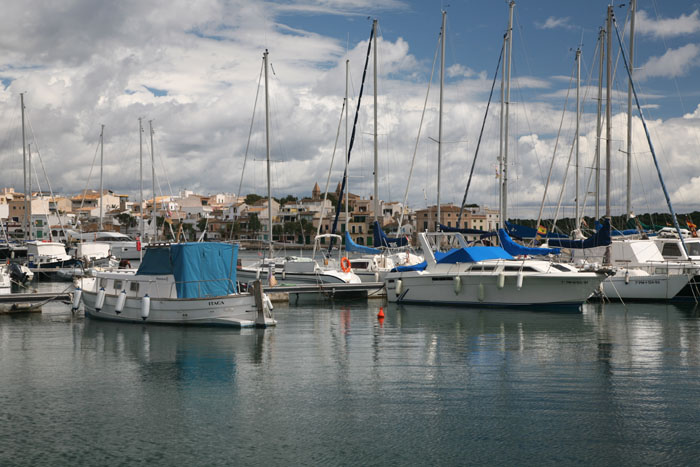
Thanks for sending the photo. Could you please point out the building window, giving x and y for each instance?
(425, 225)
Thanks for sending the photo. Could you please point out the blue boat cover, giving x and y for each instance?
(516, 249)
(382, 239)
(522, 231)
(615, 232)
(354, 247)
(200, 269)
(472, 254)
(415, 267)
(600, 238)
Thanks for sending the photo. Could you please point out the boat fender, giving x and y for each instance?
(519, 281)
(145, 307)
(399, 287)
(77, 294)
(458, 284)
(121, 300)
(501, 280)
(257, 274)
(284, 274)
(480, 292)
(376, 277)
(627, 277)
(99, 303)
(268, 302)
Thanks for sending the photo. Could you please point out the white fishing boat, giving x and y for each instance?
(187, 283)
(121, 246)
(47, 258)
(488, 276)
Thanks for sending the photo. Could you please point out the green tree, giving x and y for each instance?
(251, 198)
(254, 224)
(201, 224)
(127, 220)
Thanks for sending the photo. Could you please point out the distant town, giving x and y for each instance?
(223, 216)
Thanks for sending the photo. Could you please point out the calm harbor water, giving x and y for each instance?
(331, 385)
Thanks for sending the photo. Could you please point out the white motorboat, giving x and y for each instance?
(187, 283)
(46, 258)
(121, 245)
(296, 270)
(488, 276)
(672, 250)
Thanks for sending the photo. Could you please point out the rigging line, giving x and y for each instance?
(250, 133)
(328, 179)
(43, 168)
(481, 133)
(651, 145)
(420, 126)
(554, 153)
(352, 139)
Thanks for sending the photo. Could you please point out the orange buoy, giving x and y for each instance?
(345, 264)
(381, 313)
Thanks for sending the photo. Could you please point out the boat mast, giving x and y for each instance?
(29, 182)
(598, 128)
(504, 212)
(24, 165)
(102, 148)
(608, 124)
(442, 83)
(154, 219)
(633, 9)
(500, 139)
(347, 154)
(578, 116)
(267, 151)
(141, 183)
(376, 158)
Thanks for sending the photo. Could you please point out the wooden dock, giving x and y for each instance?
(34, 297)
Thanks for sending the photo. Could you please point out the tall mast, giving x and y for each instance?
(102, 153)
(442, 83)
(578, 116)
(24, 168)
(154, 219)
(141, 182)
(347, 188)
(504, 212)
(633, 9)
(29, 182)
(608, 124)
(267, 151)
(376, 157)
(500, 139)
(598, 129)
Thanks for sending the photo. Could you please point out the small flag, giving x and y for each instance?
(690, 225)
(542, 230)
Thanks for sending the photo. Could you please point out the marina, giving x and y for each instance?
(617, 384)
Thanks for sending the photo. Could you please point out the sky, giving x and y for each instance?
(192, 69)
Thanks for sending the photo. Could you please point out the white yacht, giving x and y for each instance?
(672, 251)
(186, 283)
(487, 276)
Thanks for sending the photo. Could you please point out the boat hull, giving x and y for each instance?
(236, 311)
(644, 288)
(540, 291)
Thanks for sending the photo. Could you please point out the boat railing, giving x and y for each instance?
(200, 283)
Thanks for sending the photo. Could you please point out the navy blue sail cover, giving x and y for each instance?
(382, 239)
(351, 246)
(600, 238)
(516, 249)
(200, 269)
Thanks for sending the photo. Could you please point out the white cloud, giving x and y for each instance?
(667, 27)
(554, 23)
(675, 62)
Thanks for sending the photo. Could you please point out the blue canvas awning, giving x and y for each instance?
(472, 254)
(200, 269)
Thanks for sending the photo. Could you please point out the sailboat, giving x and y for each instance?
(488, 275)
